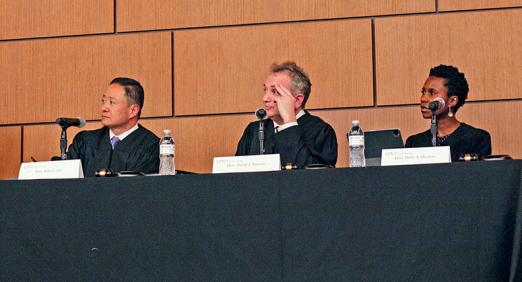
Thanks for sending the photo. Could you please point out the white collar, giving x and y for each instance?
(297, 116)
(124, 134)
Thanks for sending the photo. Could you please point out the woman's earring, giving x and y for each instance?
(450, 114)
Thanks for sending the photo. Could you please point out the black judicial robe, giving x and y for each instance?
(313, 141)
(465, 139)
(139, 151)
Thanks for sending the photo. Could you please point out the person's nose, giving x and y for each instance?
(424, 98)
(267, 97)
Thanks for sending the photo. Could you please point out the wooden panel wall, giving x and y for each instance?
(45, 79)
(448, 5)
(203, 78)
(10, 151)
(212, 76)
(42, 142)
(485, 48)
(42, 18)
(136, 15)
(500, 119)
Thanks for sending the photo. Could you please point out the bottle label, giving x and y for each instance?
(356, 140)
(166, 149)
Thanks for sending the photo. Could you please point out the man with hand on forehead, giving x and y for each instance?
(299, 137)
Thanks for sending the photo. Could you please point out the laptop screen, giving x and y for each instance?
(376, 140)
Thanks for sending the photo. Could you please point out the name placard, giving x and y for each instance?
(271, 162)
(413, 156)
(51, 170)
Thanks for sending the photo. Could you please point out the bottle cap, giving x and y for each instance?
(166, 131)
(355, 121)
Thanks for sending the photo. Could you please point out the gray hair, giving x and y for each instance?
(300, 80)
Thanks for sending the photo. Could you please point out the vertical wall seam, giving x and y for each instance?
(115, 13)
(172, 72)
(374, 65)
(21, 144)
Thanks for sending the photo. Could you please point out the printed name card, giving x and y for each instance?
(413, 156)
(271, 162)
(51, 170)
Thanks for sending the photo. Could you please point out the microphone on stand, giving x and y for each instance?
(65, 123)
(436, 105)
(68, 122)
(260, 114)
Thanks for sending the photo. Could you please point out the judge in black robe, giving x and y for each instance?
(465, 139)
(139, 151)
(313, 141)
(449, 88)
(138, 148)
(299, 137)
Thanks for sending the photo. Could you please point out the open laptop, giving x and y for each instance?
(376, 140)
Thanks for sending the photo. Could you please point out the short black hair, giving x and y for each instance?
(455, 82)
(133, 91)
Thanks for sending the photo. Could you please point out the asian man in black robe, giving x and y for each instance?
(300, 138)
(121, 144)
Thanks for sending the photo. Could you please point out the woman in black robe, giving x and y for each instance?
(450, 85)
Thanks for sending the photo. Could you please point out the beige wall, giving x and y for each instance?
(203, 63)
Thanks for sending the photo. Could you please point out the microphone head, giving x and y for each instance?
(82, 122)
(260, 113)
(61, 121)
(67, 122)
(437, 104)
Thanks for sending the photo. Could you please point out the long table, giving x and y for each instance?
(446, 222)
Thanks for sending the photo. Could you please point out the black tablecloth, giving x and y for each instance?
(451, 222)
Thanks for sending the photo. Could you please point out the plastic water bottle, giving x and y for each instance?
(356, 144)
(167, 154)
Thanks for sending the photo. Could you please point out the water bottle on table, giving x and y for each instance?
(167, 154)
(356, 144)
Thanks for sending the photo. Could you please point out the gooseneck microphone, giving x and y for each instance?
(260, 114)
(436, 105)
(68, 122)
(65, 123)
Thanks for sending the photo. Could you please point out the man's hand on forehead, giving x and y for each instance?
(281, 90)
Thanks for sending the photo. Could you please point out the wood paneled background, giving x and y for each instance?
(42, 18)
(203, 63)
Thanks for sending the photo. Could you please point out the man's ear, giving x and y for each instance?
(299, 99)
(135, 109)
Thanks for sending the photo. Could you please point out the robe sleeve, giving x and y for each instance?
(410, 142)
(483, 144)
(75, 149)
(319, 147)
(148, 160)
(244, 142)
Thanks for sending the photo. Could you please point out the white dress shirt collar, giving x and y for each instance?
(124, 134)
(279, 128)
